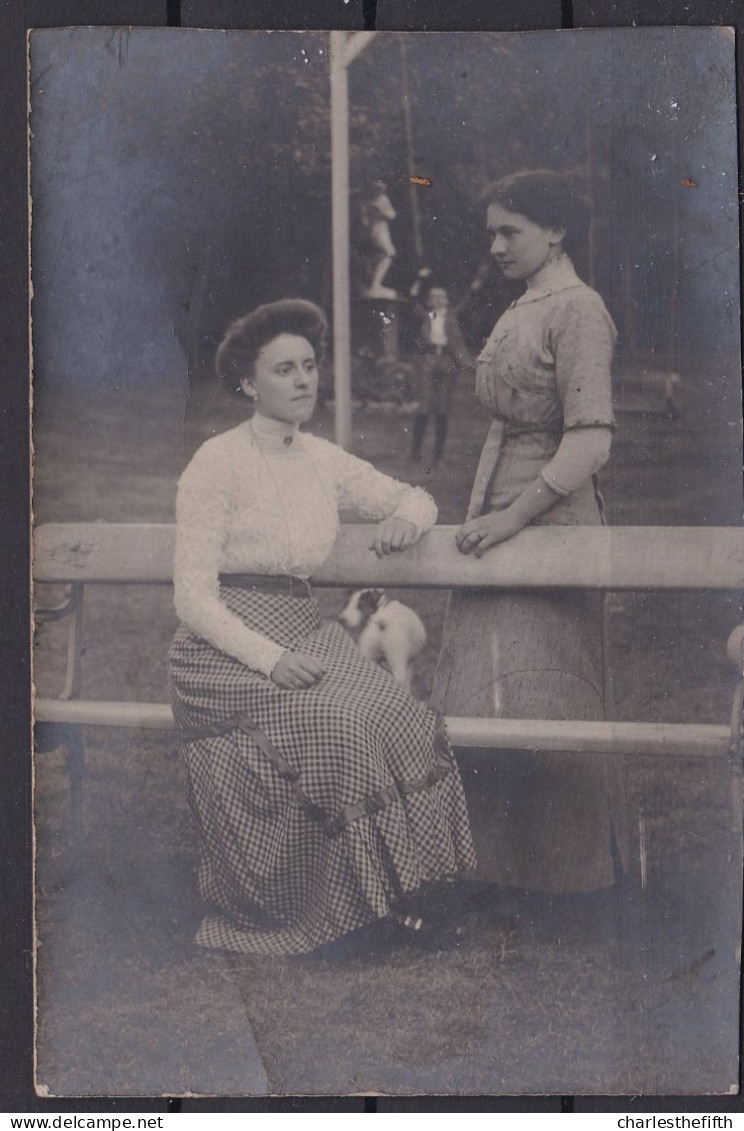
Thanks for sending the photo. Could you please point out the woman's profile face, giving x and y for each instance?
(285, 379)
(519, 245)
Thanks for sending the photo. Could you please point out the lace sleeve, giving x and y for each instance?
(202, 518)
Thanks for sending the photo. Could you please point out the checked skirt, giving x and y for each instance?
(318, 807)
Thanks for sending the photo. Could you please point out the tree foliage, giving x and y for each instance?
(212, 158)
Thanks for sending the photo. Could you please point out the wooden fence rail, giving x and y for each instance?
(76, 555)
(676, 739)
(662, 558)
(620, 557)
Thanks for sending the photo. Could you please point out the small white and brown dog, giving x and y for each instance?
(386, 631)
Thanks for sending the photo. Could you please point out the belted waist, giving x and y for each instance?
(268, 583)
(499, 433)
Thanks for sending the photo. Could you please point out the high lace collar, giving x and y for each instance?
(273, 437)
(557, 275)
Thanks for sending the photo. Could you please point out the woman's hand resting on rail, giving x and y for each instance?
(294, 671)
(392, 535)
(477, 535)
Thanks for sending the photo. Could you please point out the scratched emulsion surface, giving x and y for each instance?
(178, 179)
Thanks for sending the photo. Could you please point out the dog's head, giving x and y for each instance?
(362, 604)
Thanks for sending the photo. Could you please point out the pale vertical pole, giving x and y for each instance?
(417, 245)
(591, 241)
(340, 233)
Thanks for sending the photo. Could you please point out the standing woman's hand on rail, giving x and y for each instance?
(479, 534)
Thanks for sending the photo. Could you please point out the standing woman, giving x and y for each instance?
(326, 796)
(547, 821)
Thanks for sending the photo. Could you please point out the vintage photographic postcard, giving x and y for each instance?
(387, 502)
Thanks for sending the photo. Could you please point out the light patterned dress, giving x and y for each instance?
(549, 822)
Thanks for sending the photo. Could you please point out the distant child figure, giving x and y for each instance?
(441, 349)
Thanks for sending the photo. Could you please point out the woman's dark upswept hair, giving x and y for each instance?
(246, 336)
(547, 198)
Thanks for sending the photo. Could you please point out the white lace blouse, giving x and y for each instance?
(264, 498)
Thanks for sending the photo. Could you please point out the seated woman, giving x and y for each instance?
(324, 793)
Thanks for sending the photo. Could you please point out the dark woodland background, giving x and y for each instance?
(221, 199)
